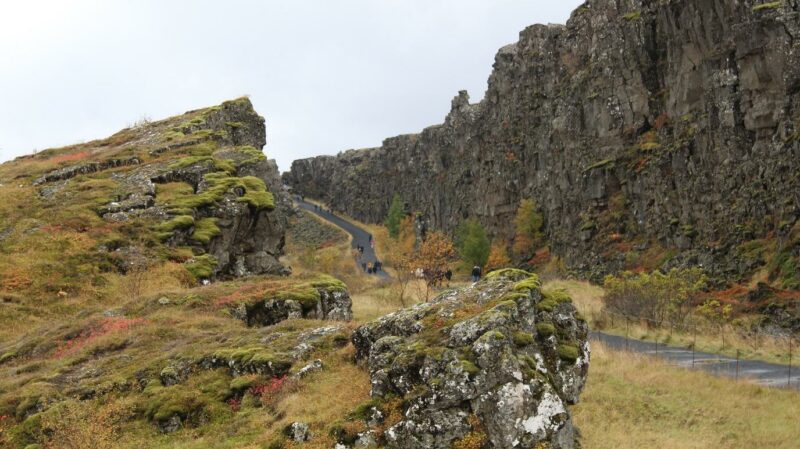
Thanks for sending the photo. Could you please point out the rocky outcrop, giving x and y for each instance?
(497, 363)
(641, 127)
(321, 300)
(210, 188)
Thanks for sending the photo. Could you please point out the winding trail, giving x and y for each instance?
(360, 236)
(767, 374)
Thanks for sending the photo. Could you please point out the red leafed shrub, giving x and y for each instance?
(234, 404)
(270, 392)
(273, 386)
(243, 294)
(105, 327)
(541, 256)
(14, 280)
(71, 157)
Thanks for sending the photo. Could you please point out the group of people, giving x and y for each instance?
(319, 208)
(372, 267)
(368, 267)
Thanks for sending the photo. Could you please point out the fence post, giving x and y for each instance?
(627, 324)
(656, 338)
(789, 380)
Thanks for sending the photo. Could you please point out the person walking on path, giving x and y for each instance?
(476, 273)
(448, 275)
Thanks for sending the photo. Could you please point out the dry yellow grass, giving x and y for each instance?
(636, 402)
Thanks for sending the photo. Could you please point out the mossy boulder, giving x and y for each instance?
(475, 352)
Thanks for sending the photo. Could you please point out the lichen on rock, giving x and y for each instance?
(464, 355)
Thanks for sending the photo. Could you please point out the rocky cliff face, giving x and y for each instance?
(641, 128)
(492, 365)
(197, 183)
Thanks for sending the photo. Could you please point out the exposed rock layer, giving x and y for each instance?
(639, 125)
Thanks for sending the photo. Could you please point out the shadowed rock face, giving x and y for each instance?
(498, 361)
(641, 123)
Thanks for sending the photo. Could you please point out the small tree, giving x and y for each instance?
(473, 244)
(395, 216)
(433, 257)
(527, 228)
(717, 314)
(655, 297)
(401, 258)
(498, 256)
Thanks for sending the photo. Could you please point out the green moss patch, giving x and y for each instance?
(545, 329)
(202, 267)
(568, 353)
(551, 299)
(767, 6)
(522, 338)
(205, 230)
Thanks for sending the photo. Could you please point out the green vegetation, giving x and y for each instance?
(553, 298)
(221, 184)
(179, 222)
(522, 338)
(604, 163)
(205, 230)
(395, 216)
(202, 267)
(545, 329)
(528, 222)
(472, 243)
(767, 6)
(655, 296)
(634, 15)
(568, 353)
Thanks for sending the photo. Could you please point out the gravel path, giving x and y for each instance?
(360, 236)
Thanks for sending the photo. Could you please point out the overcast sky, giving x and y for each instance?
(328, 75)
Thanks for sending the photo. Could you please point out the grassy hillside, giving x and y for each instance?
(65, 248)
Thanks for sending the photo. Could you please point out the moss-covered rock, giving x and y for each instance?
(472, 352)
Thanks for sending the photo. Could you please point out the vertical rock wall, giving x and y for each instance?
(639, 125)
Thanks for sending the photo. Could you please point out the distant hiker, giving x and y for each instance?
(370, 238)
(448, 275)
(364, 266)
(476, 273)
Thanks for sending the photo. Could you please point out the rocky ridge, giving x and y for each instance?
(198, 182)
(650, 133)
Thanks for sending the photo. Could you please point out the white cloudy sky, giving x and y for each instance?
(328, 75)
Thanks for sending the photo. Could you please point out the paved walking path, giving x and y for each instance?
(360, 236)
(768, 374)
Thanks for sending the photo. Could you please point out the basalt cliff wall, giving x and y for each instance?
(650, 133)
